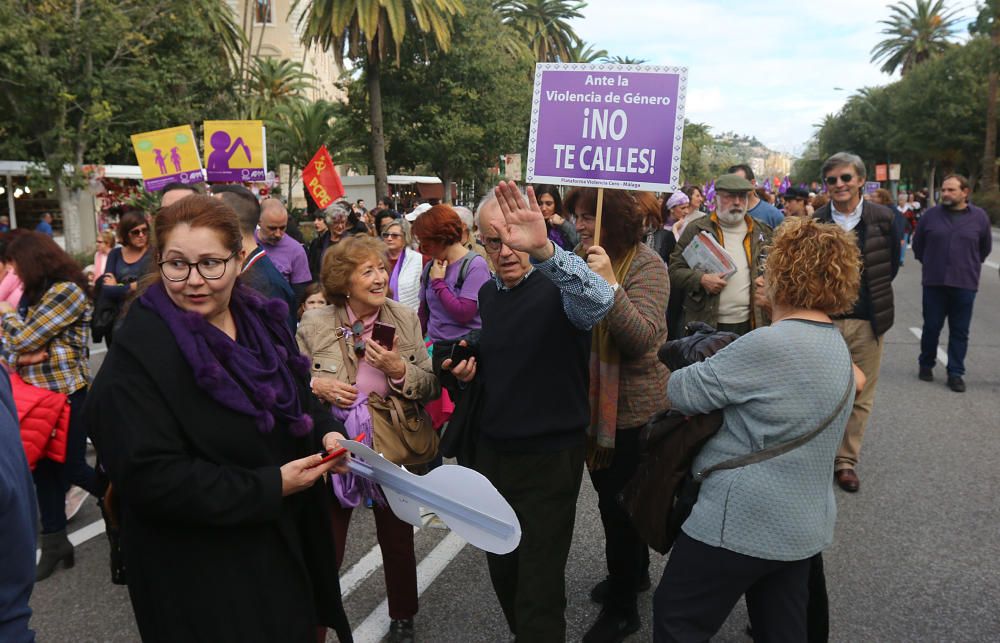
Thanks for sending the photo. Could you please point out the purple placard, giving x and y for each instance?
(871, 186)
(160, 182)
(607, 125)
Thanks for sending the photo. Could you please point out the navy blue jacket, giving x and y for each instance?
(952, 249)
(18, 517)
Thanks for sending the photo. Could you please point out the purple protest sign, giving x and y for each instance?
(871, 186)
(607, 125)
(235, 151)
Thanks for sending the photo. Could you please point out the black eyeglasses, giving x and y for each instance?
(845, 178)
(136, 232)
(210, 268)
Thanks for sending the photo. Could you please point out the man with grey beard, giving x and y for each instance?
(727, 303)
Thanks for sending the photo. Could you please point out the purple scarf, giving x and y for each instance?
(349, 488)
(252, 375)
(394, 277)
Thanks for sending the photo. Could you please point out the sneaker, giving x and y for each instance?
(599, 593)
(612, 627)
(956, 383)
(926, 374)
(75, 498)
(401, 630)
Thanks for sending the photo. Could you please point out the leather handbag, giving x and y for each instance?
(402, 430)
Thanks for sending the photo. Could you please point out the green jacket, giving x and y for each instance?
(700, 305)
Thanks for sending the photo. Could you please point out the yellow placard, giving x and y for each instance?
(235, 150)
(167, 156)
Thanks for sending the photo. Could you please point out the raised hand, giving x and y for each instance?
(523, 227)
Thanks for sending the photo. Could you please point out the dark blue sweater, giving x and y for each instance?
(17, 525)
(952, 247)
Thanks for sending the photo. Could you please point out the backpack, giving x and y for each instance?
(463, 271)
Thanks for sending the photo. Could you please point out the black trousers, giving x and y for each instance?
(701, 584)
(530, 582)
(626, 553)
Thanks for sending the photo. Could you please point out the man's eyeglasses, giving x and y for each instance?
(845, 178)
(139, 232)
(391, 235)
(209, 268)
(492, 244)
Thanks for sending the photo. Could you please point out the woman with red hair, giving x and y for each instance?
(449, 287)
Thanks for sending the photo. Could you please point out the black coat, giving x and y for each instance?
(213, 551)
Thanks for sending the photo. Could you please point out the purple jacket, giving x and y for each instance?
(952, 252)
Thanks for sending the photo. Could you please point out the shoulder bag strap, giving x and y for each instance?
(352, 370)
(784, 447)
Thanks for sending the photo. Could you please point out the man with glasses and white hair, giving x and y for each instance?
(864, 327)
(530, 374)
(726, 303)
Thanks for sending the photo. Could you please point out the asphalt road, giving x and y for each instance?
(916, 554)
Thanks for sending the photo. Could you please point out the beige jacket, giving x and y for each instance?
(318, 339)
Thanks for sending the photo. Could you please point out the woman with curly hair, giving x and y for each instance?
(757, 527)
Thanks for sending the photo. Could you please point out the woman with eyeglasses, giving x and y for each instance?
(403, 265)
(203, 420)
(46, 344)
(356, 359)
(127, 263)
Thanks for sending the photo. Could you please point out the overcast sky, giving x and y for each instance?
(769, 69)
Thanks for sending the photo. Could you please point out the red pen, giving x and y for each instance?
(336, 453)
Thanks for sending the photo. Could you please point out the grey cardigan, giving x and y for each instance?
(773, 384)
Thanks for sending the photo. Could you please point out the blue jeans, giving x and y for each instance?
(53, 479)
(955, 304)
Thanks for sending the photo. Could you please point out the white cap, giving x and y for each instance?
(417, 211)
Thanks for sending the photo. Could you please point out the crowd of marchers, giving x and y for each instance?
(524, 337)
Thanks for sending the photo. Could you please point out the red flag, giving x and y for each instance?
(321, 179)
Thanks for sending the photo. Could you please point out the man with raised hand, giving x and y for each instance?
(531, 376)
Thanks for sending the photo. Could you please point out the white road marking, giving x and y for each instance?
(941, 355)
(376, 626)
(991, 265)
(97, 350)
(79, 536)
(365, 567)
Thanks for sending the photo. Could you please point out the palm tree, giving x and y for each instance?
(988, 24)
(299, 128)
(273, 82)
(624, 60)
(584, 52)
(362, 30)
(544, 24)
(916, 33)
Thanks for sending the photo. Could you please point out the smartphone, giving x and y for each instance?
(459, 353)
(383, 334)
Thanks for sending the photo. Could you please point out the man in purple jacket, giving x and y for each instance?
(952, 241)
